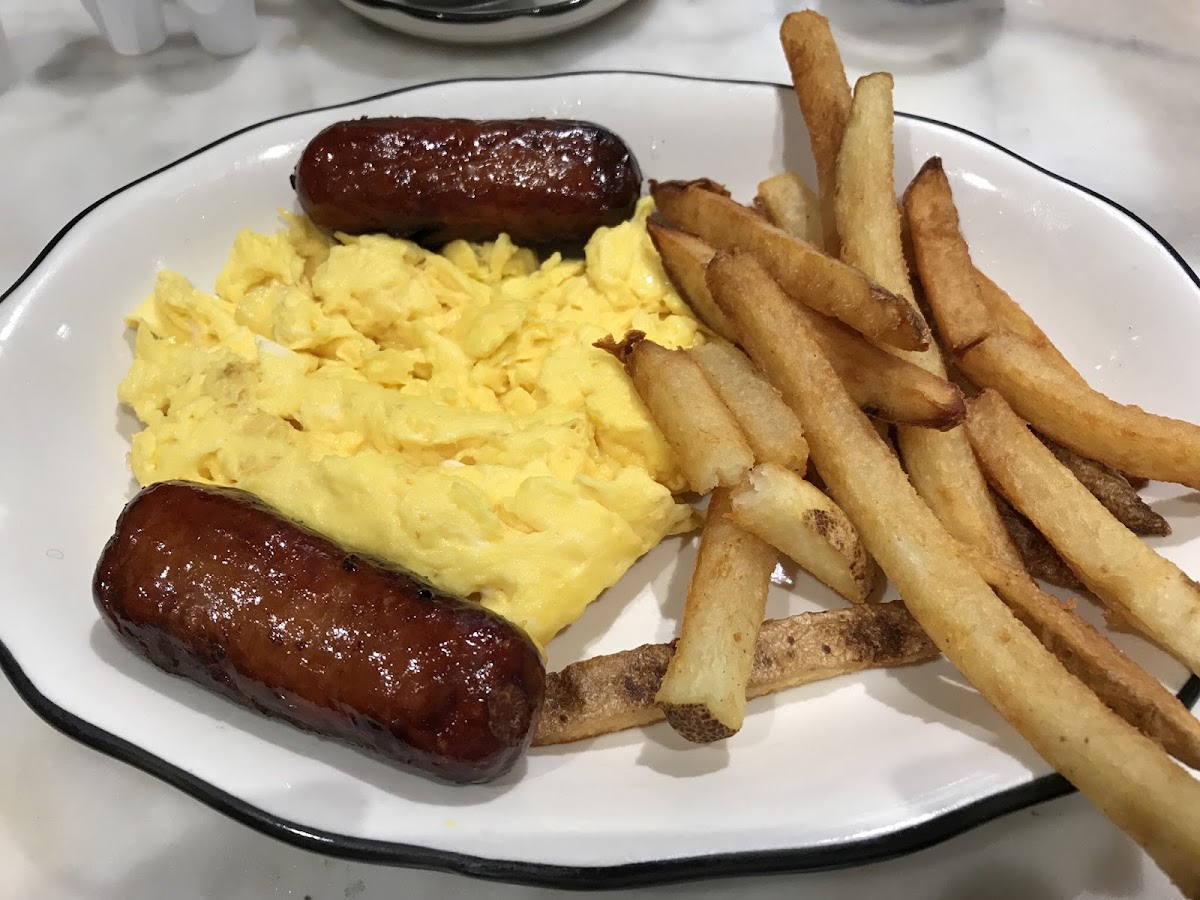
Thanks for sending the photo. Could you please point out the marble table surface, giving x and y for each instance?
(1101, 91)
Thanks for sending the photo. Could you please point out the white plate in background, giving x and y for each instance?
(496, 22)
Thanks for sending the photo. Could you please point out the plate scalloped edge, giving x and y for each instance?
(832, 856)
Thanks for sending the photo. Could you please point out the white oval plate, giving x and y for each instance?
(830, 774)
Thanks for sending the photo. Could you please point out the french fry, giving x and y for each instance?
(768, 424)
(703, 693)
(1059, 405)
(614, 692)
(943, 261)
(940, 465)
(1113, 490)
(790, 204)
(1121, 683)
(1127, 438)
(889, 387)
(868, 220)
(794, 517)
(1006, 313)
(684, 257)
(699, 427)
(1038, 558)
(819, 80)
(819, 281)
(1128, 776)
(1126, 574)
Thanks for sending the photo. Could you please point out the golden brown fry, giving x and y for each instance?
(769, 425)
(868, 220)
(820, 83)
(940, 465)
(793, 516)
(1006, 313)
(1038, 558)
(884, 384)
(1121, 683)
(942, 258)
(1159, 599)
(1112, 489)
(684, 257)
(790, 204)
(1127, 438)
(703, 693)
(1125, 774)
(699, 427)
(819, 281)
(611, 693)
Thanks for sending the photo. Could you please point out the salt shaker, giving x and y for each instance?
(133, 27)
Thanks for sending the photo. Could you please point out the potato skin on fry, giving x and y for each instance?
(1112, 489)
(1038, 558)
(614, 692)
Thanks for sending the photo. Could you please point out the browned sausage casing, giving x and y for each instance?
(437, 180)
(214, 585)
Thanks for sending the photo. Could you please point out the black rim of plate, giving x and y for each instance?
(477, 17)
(810, 859)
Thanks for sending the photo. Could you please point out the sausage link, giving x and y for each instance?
(211, 584)
(437, 180)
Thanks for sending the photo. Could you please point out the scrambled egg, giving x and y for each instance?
(445, 411)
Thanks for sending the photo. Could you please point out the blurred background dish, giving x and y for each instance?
(482, 21)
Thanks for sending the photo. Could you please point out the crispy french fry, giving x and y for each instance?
(1129, 777)
(769, 425)
(940, 465)
(1006, 313)
(790, 204)
(1038, 558)
(819, 281)
(1127, 438)
(1121, 683)
(794, 517)
(943, 261)
(1158, 598)
(684, 257)
(889, 387)
(703, 693)
(1113, 490)
(614, 692)
(868, 219)
(699, 427)
(1060, 405)
(819, 80)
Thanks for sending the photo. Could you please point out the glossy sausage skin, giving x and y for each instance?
(211, 584)
(438, 180)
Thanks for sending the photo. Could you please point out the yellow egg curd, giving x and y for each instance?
(444, 411)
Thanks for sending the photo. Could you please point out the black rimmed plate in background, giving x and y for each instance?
(831, 774)
(482, 21)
